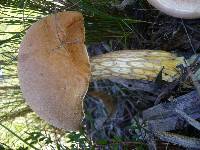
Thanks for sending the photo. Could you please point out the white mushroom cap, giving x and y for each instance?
(54, 69)
(187, 9)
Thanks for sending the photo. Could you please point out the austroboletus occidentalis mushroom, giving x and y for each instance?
(54, 68)
(187, 9)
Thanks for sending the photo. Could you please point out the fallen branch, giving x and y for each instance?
(189, 103)
(178, 139)
(163, 117)
(187, 118)
(168, 116)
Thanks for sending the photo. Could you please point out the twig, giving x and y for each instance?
(188, 36)
(178, 139)
(187, 118)
(189, 103)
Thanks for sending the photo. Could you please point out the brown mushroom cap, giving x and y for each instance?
(188, 9)
(54, 69)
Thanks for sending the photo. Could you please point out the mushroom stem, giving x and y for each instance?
(135, 64)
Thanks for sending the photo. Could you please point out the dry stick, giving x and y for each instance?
(162, 117)
(178, 139)
(188, 103)
(186, 31)
(187, 118)
(183, 103)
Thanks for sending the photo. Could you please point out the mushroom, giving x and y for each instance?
(187, 9)
(54, 68)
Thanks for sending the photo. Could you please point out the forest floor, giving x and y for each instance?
(108, 28)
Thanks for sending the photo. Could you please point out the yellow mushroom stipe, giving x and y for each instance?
(136, 64)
